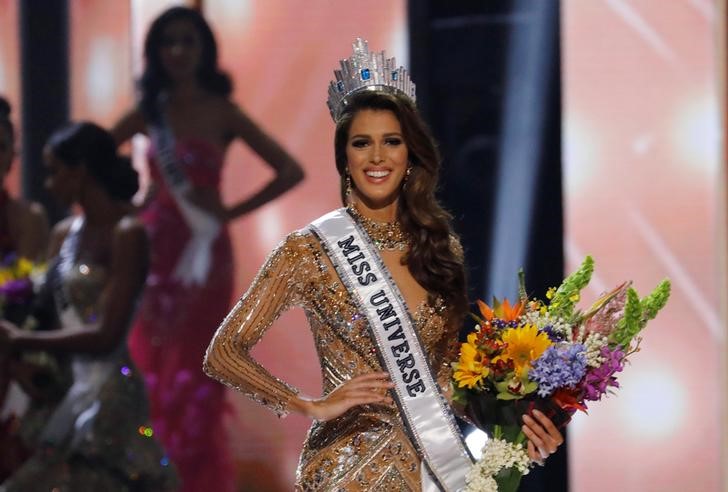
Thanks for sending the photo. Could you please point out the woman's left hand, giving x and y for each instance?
(543, 436)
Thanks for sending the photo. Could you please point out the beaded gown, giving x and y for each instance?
(94, 439)
(174, 325)
(367, 447)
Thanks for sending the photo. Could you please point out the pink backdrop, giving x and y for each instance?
(643, 196)
(10, 75)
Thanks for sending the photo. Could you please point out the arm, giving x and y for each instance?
(275, 289)
(281, 283)
(129, 125)
(126, 278)
(288, 171)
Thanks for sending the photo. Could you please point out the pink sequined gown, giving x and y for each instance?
(174, 326)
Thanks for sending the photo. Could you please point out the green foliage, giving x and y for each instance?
(654, 302)
(522, 294)
(637, 312)
(567, 295)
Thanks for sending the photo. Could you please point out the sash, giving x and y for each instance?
(194, 264)
(425, 412)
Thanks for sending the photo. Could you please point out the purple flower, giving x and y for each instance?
(17, 291)
(553, 335)
(560, 366)
(9, 260)
(598, 380)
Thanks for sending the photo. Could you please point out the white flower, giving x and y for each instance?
(498, 455)
(542, 320)
(593, 343)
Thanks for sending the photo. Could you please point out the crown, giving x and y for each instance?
(366, 71)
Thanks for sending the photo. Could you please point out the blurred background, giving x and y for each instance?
(567, 128)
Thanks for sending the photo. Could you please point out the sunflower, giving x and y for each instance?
(524, 345)
(472, 366)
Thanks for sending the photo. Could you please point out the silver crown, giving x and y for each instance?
(366, 71)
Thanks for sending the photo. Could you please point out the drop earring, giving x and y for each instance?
(347, 189)
(407, 175)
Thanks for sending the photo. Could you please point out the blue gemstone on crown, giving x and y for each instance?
(375, 72)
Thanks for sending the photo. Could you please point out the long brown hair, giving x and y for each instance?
(432, 259)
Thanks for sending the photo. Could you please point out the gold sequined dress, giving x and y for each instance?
(366, 448)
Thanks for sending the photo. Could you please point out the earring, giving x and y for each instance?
(407, 175)
(347, 191)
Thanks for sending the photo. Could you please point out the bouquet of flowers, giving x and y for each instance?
(41, 375)
(544, 355)
(16, 287)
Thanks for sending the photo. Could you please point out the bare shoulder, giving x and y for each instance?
(128, 125)
(229, 107)
(29, 211)
(237, 118)
(130, 230)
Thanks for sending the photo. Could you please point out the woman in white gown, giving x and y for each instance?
(98, 438)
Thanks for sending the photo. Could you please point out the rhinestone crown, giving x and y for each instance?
(366, 71)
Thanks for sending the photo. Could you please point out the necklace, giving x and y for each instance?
(387, 236)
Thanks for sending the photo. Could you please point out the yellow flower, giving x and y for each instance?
(470, 370)
(524, 345)
(23, 268)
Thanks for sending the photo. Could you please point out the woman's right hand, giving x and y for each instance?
(361, 390)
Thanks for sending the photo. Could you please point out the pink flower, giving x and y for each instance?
(604, 321)
(597, 381)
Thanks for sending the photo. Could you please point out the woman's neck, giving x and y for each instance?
(100, 209)
(185, 90)
(384, 213)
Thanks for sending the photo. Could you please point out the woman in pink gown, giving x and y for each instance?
(186, 110)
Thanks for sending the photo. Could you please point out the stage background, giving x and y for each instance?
(644, 193)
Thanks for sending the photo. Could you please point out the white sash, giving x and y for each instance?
(425, 412)
(194, 264)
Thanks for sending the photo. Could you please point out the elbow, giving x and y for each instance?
(213, 364)
(209, 366)
(293, 175)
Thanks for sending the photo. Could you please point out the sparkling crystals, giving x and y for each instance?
(366, 70)
(387, 236)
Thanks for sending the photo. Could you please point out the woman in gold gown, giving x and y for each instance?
(359, 440)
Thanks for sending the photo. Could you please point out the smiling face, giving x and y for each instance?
(181, 50)
(376, 156)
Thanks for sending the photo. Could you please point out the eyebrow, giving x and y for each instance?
(364, 135)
